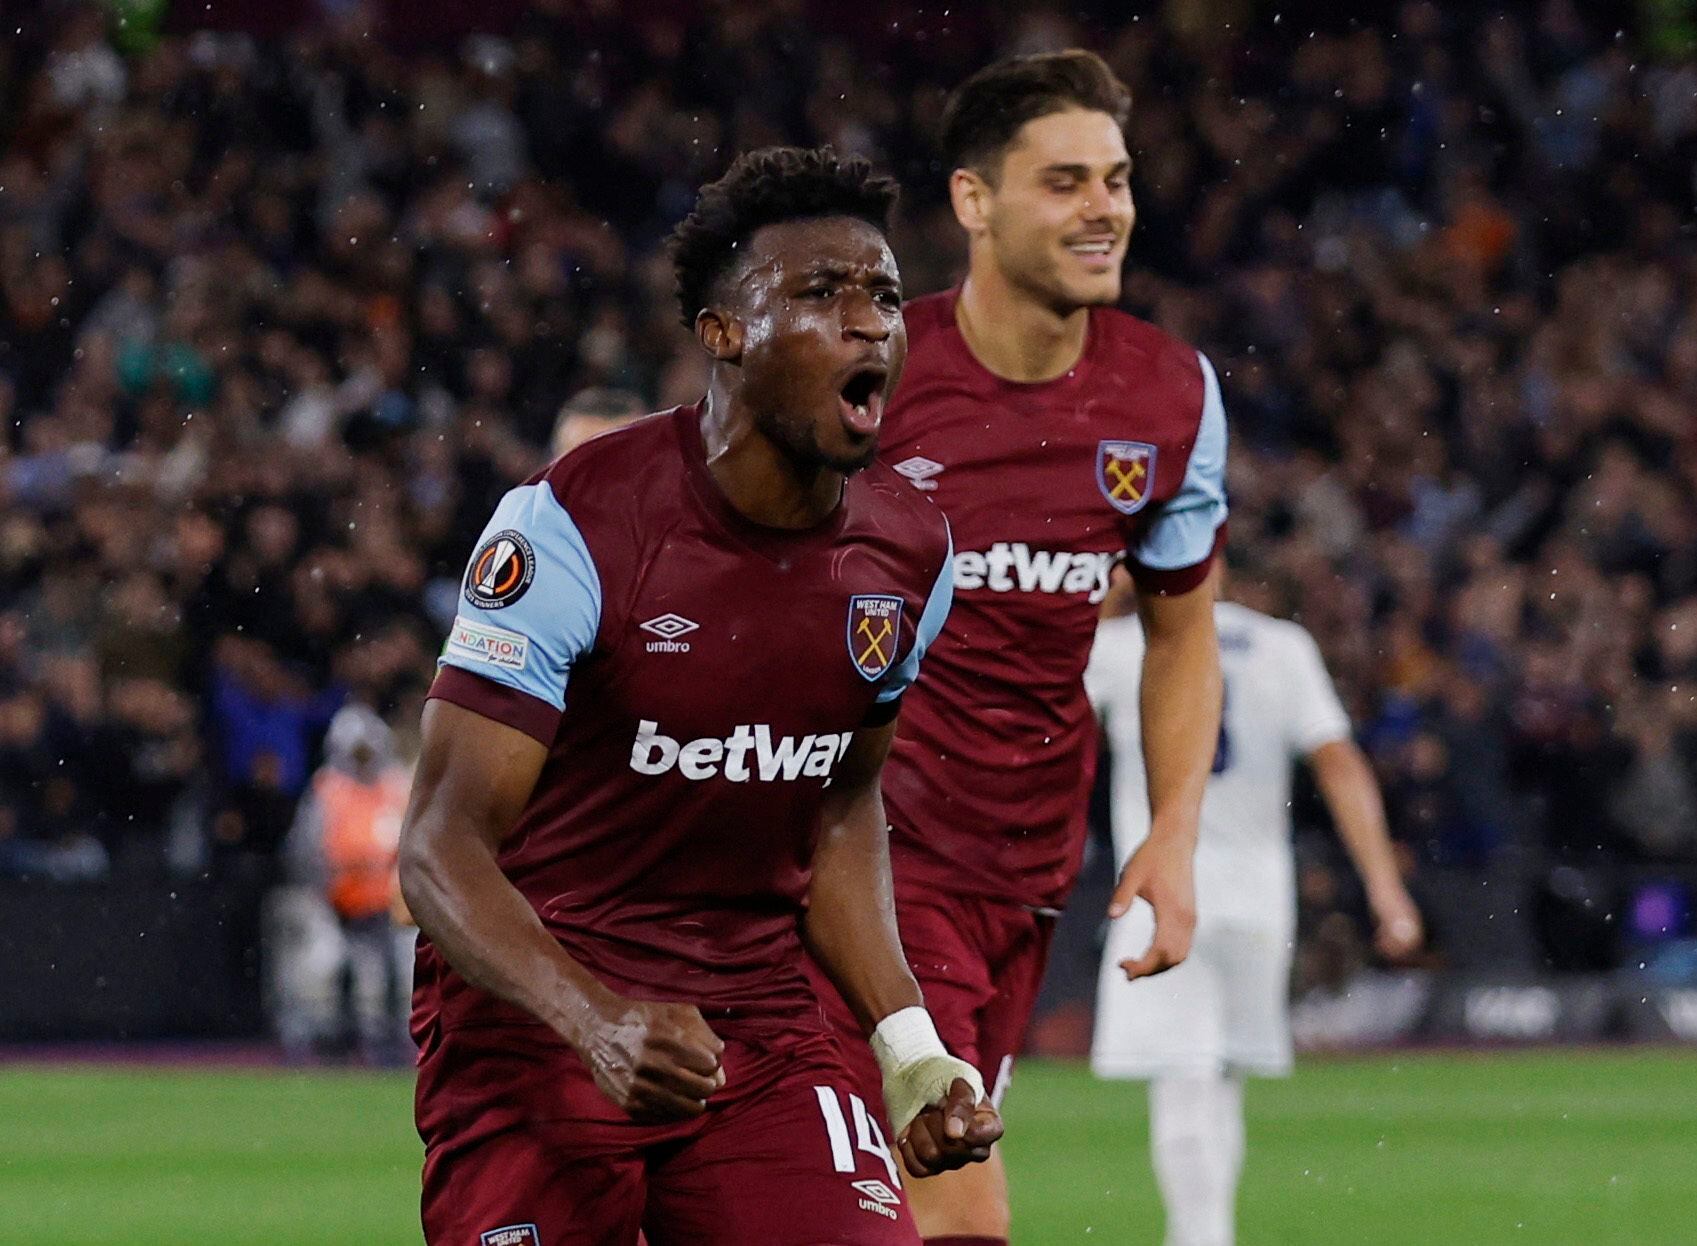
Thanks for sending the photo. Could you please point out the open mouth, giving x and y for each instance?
(862, 398)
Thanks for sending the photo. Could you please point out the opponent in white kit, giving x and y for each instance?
(1197, 1029)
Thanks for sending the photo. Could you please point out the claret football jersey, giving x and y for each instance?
(1045, 486)
(696, 678)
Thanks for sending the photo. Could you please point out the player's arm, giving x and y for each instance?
(1346, 782)
(937, 1104)
(850, 926)
(531, 610)
(1320, 733)
(1174, 565)
(1179, 707)
(475, 775)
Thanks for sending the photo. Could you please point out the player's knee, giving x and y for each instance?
(966, 1206)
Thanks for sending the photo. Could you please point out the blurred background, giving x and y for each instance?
(291, 291)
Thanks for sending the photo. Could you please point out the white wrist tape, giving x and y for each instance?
(918, 1070)
(905, 1037)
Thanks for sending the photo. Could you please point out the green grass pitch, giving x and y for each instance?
(1539, 1148)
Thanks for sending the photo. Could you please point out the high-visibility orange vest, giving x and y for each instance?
(362, 836)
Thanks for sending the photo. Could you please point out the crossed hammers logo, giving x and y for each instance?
(875, 643)
(1125, 482)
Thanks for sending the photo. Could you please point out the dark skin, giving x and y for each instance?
(850, 928)
(813, 305)
(657, 1061)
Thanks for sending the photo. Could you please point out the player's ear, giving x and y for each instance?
(720, 333)
(970, 195)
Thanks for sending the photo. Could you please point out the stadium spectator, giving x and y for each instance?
(265, 719)
(282, 319)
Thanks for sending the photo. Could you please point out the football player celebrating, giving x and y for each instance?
(629, 820)
(1058, 435)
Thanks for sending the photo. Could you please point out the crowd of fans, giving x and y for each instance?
(280, 320)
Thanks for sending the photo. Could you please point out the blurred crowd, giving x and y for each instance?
(281, 319)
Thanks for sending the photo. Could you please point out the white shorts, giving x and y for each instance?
(1225, 1009)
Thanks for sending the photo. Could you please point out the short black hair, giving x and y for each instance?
(766, 187)
(988, 109)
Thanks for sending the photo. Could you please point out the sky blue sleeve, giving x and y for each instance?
(1182, 535)
(902, 675)
(530, 602)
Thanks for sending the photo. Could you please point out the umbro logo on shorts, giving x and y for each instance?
(511, 1235)
(878, 1190)
(668, 627)
(877, 1197)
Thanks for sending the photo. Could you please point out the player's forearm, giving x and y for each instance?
(1351, 793)
(850, 926)
(489, 932)
(1180, 709)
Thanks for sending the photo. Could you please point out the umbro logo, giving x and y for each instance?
(668, 627)
(919, 471)
(878, 1190)
(877, 1197)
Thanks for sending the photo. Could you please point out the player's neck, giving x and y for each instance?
(1013, 335)
(762, 483)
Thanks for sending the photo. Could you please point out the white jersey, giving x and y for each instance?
(1279, 707)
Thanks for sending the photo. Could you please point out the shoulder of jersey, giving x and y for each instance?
(1292, 632)
(606, 464)
(1138, 347)
(912, 510)
(1236, 612)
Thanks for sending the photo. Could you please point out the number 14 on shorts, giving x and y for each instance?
(868, 1138)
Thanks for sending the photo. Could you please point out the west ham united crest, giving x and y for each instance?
(501, 572)
(874, 624)
(1125, 472)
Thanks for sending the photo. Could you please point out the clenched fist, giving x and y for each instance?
(659, 1062)
(958, 1131)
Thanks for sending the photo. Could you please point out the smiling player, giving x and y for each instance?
(1058, 435)
(627, 822)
